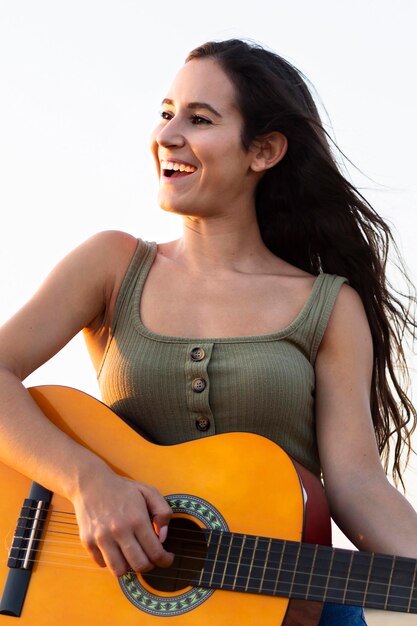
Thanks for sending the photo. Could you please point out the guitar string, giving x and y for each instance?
(188, 531)
(279, 572)
(54, 519)
(200, 541)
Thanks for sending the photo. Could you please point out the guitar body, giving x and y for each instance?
(246, 482)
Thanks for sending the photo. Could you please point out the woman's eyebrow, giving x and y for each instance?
(195, 105)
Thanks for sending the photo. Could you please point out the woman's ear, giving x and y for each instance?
(268, 150)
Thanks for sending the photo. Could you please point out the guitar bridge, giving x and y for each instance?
(27, 534)
(22, 553)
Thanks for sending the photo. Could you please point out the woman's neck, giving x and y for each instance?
(221, 245)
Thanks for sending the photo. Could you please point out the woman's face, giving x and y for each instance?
(203, 167)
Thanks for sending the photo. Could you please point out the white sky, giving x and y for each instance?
(80, 88)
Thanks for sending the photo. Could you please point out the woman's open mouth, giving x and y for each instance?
(176, 169)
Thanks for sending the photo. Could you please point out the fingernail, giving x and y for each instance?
(163, 532)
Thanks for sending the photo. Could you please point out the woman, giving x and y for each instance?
(249, 298)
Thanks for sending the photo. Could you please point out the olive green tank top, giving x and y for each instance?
(174, 389)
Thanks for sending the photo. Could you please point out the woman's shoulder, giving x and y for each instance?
(112, 244)
(348, 323)
(107, 254)
(348, 302)
(102, 261)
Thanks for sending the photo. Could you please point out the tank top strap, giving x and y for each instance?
(136, 272)
(311, 331)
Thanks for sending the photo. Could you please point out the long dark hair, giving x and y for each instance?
(310, 215)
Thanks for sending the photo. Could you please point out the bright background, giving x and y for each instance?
(80, 87)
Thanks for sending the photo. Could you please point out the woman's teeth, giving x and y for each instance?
(170, 167)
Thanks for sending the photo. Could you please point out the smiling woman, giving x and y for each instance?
(201, 128)
(270, 315)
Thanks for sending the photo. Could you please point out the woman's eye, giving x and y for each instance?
(197, 119)
(165, 115)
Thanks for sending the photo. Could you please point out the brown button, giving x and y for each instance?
(198, 385)
(202, 423)
(197, 354)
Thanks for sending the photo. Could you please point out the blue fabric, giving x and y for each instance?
(341, 615)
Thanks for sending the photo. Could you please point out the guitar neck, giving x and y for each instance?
(259, 565)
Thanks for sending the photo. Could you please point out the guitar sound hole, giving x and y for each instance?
(187, 541)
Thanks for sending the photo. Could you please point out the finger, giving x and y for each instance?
(135, 556)
(114, 559)
(106, 555)
(152, 546)
(95, 555)
(161, 532)
(160, 512)
(90, 545)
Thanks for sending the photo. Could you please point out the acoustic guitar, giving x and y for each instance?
(250, 531)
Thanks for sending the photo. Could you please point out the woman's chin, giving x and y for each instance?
(170, 206)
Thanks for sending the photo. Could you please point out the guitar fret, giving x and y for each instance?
(318, 584)
(295, 570)
(283, 545)
(265, 565)
(291, 581)
(326, 589)
(348, 578)
(371, 564)
(251, 563)
(270, 568)
(389, 583)
(227, 559)
(399, 592)
(310, 578)
(257, 565)
(358, 578)
(215, 559)
(200, 580)
(305, 560)
(377, 592)
(247, 565)
(239, 562)
(341, 566)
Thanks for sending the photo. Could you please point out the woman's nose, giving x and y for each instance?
(170, 134)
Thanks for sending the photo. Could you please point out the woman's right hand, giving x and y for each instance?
(122, 523)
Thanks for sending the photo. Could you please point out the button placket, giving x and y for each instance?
(197, 359)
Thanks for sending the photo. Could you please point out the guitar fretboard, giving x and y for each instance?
(305, 571)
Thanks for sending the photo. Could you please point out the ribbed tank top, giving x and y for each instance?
(175, 389)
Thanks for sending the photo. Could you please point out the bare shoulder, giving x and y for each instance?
(345, 356)
(348, 320)
(108, 247)
(100, 262)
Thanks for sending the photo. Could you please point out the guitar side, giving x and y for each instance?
(248, 479)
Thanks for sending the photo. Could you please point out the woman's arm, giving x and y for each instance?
(112, 512)
(372, 513)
